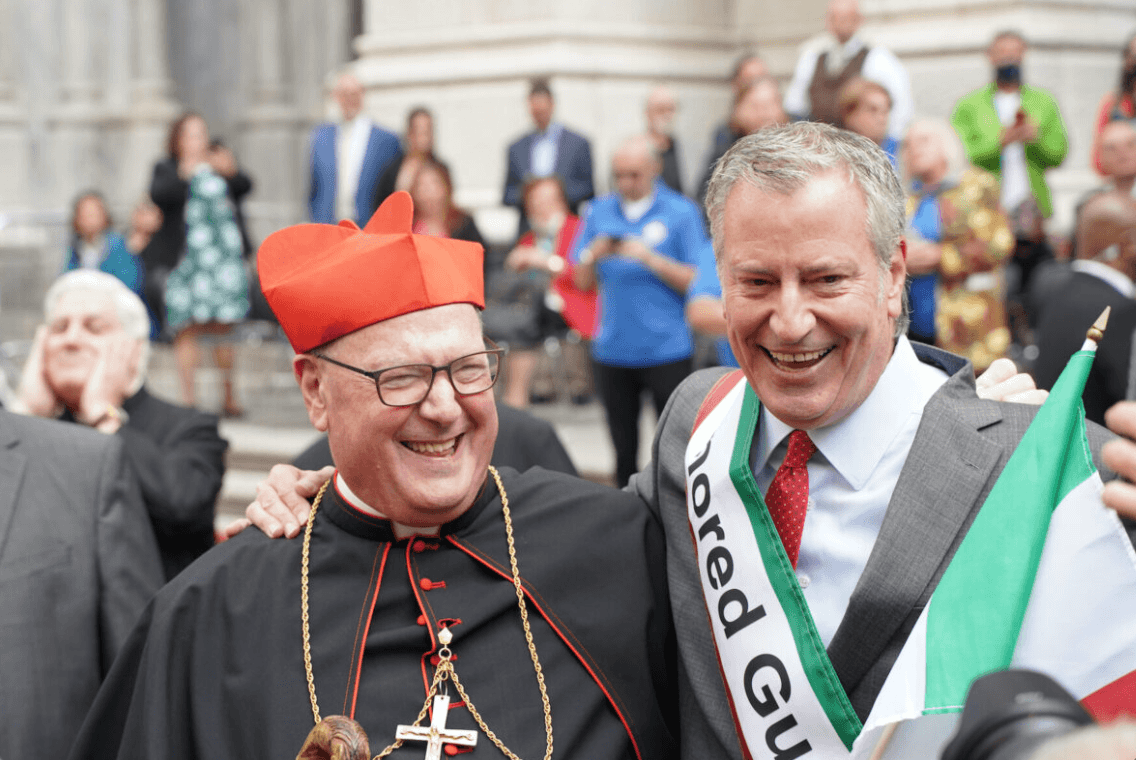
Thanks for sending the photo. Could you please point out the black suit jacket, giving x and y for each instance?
(178, 457)
(523, 441)
(77, 566)
(573, 167)
(1068, 312)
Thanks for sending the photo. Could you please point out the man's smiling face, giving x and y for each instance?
(420, 465)
(810, 313)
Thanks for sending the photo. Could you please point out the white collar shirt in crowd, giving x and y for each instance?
(350, 148)
(400, 531)
(91, 254)
(1117, 279)
(633, 211)
(880, 66)
(1015, 179)
(545, 147)
(851, 480)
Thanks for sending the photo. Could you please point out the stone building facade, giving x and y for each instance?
(88, 87)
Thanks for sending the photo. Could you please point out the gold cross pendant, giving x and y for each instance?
(437, 733)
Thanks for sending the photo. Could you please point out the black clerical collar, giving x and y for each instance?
(375, 528)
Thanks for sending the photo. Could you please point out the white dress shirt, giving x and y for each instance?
(880, 66)
(545, 147)
(351, 140)
(1114, 277)
(851, 480)
(1015, 178)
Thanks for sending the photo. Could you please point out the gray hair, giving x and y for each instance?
(784, 159)
(132, 314)
(949, 142)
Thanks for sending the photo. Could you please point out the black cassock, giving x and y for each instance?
(215, 667)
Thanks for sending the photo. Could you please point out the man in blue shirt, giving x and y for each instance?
(639, 248)
(704, 307)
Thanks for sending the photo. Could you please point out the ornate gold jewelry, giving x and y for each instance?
(437, 732)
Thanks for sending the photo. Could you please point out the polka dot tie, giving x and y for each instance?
(788, 494)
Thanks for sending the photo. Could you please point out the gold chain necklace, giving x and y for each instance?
(445, 666)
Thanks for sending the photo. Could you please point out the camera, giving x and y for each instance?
(1009, 714)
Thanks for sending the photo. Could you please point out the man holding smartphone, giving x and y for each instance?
(639, 248)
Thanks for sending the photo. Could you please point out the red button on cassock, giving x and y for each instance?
(419, 546)
(426, 584)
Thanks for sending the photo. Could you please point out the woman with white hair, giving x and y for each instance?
(958, 240)
(88, 366)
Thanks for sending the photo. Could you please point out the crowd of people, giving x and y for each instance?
(745, 593)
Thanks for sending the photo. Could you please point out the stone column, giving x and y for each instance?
(270, 148)
(13, 123)
(152, 106)
(471, 63)
(78, 111)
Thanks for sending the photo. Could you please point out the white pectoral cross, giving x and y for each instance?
(437, 733)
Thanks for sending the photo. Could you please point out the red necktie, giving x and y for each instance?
(788, 494)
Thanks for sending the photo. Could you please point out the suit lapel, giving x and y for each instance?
(12, 462)
(935, 499)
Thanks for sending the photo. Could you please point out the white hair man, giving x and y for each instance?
(88, 366)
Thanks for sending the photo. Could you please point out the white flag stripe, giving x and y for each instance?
(1088, 566)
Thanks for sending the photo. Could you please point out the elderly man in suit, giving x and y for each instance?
(77, 565)
(348, 158)
(87, 366)
(1102, 276)
(549, 149)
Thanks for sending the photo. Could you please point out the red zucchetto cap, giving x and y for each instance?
(323, 281)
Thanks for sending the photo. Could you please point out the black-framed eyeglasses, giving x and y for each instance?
(410, 384)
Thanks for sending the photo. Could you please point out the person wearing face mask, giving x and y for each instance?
(1119, 105)
(1015, 132)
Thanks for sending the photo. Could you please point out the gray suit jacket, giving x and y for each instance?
(958, 452)
(78, 563)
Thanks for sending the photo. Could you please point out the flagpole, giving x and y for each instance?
(885, 740)
(1092, 337)
(1094, 334)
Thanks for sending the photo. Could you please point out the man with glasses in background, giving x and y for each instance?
(531, 600)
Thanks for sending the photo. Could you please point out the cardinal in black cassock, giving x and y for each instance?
(216, 669)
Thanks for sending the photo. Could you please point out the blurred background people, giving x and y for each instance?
(748, 68)
(639, 249)
(958, 241)
(88, 366)
(758, 105)
(1117, 146)
(539, 303)
(551, 148)
(704, 308)
(865, 107)
(1015, 132)
(418, 149)
(1120, 104)
(95, 245)
(1102, 275)
(822, 70)
(197, 254)
(661, 109)
(434, 211)
(347, 158)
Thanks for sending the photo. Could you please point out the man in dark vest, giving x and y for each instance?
(828, 63)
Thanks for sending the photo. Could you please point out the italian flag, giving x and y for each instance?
(1044, 579)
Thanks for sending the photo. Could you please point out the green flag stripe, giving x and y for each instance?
(822, 676)
(978, 606)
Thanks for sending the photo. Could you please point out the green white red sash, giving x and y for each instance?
(786, 699)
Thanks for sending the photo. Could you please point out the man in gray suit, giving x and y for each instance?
(78, 562)
(807, 223)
